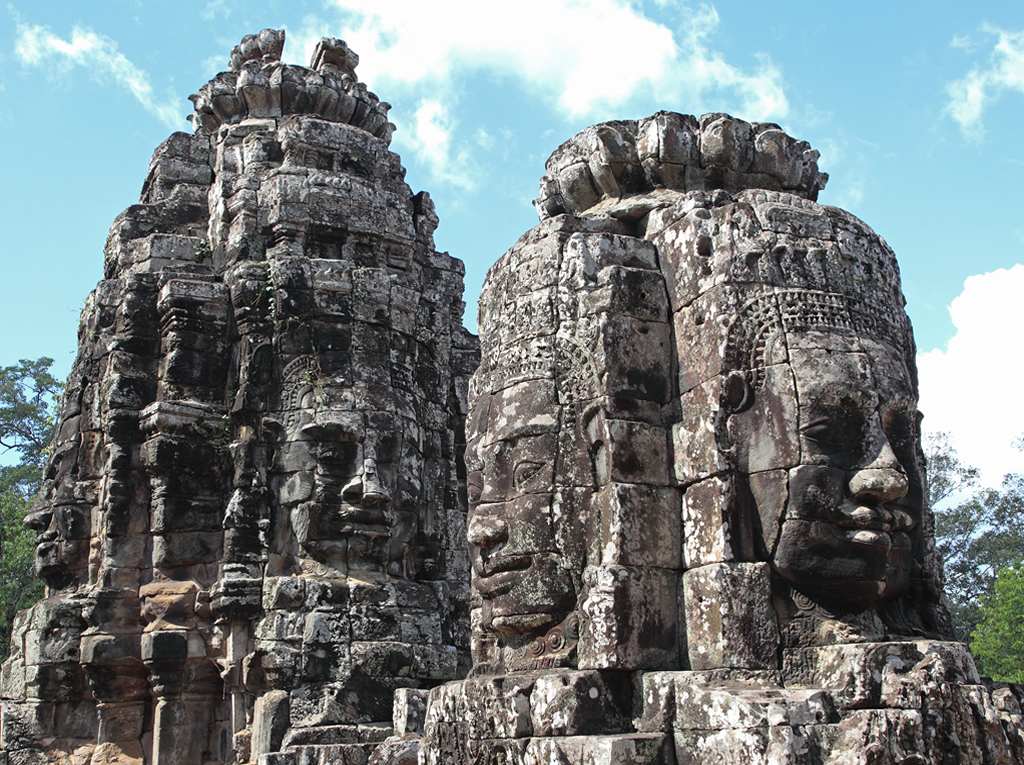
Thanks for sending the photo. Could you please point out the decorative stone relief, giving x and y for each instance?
(252, 529)
(697, 496)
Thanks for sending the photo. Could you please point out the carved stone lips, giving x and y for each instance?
(370, 522)
(496, 576)
(878, 518)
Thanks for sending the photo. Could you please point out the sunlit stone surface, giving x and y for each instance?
(251, 528)
(676, 516)
(697, 516)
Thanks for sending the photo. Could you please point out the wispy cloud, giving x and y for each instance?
(216, 8)
(962, 41)
(430, 136)
(1004, 70)
(588, 60)
(969, 388)
(38, 46)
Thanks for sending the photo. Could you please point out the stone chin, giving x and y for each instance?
(526, 601)
(857, 567)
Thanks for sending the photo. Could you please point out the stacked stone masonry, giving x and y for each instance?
(251, 530)
(669, 509)
(697, 516)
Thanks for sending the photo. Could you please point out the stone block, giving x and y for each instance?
(890, 674)
(708, 528)
(729, 618)
(639, 525)
(579, 703)
(597, 251)
(630, 618)
(284, 592)
(121, 722)
(382, 659)
(410, 711)
(270, 722)
(701, 705)
(634, 292)
(633, 358)
(434, 662)
(24, 723)
(629, 749)
(633, 452)
(765, 436)
(321, 627)
(694, 437)
(186, 548)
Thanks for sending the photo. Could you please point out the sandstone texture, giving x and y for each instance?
(251, 528)
(668, 510)
(697, 516)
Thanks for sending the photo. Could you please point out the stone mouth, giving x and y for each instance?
(500, 576)
(880, 518)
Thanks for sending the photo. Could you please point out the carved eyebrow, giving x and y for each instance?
(522, 429)
(838, 398)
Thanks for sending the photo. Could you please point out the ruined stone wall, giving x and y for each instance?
(252, 528)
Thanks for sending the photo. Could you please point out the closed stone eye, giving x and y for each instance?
(525, 472)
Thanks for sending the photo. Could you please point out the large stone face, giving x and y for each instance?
(697, 501)
(251, 529)
(690, 459)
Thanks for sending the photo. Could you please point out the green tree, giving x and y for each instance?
(998, 641)
(29, 400)
(978, 536)
(947, 475)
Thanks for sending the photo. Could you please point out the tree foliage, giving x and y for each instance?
(998, 641)
(29, 399)
(947, 475)
(977, 536)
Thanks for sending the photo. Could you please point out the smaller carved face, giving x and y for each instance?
(841, 520)
(517, 568)
(359, 477)
(61, 541)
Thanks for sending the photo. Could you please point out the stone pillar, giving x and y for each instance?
(112, 657)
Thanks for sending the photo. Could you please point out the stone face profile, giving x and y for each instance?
(669, 510)
(697, 516)
(251, 529)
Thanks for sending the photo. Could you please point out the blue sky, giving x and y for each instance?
(916, 109)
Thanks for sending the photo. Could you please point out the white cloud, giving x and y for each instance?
(970, 389)
(37, 46)
(1004, 70)
(584, 59)
(430, 137)
(586, 56)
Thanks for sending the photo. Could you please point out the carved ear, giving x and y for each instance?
(273, 428)
(737, 393)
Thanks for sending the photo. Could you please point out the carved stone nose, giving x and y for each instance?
(38, 520)
(487, 531)
(884, 480)
(373, 491)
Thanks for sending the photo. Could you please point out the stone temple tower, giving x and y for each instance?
(252, 529)
(698, 523)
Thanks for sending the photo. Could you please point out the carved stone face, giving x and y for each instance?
(360, 481)
(512, 460)
(842, 523)
(61, 541)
